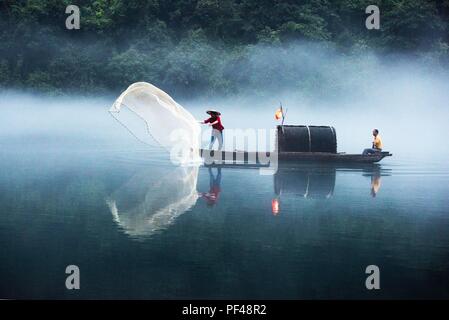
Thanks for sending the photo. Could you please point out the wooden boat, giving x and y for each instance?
(244, 157)
(295, 144)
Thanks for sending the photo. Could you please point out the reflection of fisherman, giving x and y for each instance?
(375, 183)
(212, 196)
(217, 128)
(377, 144)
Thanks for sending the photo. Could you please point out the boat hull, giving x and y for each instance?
(242, 157)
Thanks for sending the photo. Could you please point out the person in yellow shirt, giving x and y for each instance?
(377, 144)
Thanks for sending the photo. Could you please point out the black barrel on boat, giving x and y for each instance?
(306, 139)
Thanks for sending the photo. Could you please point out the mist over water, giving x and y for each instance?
(405, 98)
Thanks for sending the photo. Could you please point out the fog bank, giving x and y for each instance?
(405, 98)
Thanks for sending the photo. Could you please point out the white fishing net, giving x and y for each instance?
(167, 122)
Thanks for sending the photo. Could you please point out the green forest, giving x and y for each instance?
(202, 46)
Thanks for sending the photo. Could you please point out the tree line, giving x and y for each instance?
(197, 45)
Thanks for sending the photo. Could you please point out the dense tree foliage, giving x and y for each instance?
(197, 45)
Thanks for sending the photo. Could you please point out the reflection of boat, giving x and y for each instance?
(151, 201)
(312, 182)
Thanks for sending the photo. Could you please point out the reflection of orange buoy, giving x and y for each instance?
(275, 207)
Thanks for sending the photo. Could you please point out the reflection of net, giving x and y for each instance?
(151, 201)
(167, 122)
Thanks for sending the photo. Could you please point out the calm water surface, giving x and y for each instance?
(138, 227)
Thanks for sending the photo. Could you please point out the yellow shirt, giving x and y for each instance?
(377, 142)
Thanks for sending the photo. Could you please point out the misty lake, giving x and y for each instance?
(139, 227)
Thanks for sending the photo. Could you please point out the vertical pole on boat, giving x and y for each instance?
(283, 117)
(282, 112)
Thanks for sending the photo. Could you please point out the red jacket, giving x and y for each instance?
(218, 125)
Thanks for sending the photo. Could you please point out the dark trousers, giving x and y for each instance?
(371, 151)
